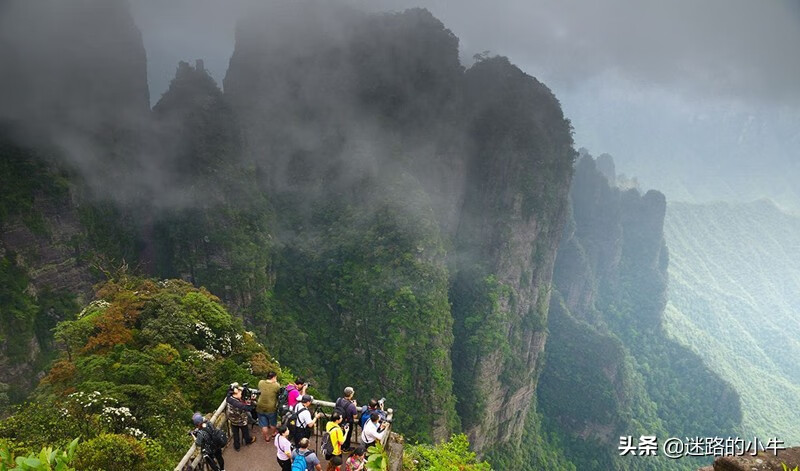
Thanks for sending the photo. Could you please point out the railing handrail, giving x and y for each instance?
(318, 430)
(185, 460)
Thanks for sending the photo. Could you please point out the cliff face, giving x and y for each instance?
(332, 108)
(213, 228)
(71, 111)
(513, 212)
(380, 216)
(610, 281)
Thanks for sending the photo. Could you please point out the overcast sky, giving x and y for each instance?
(676, 90)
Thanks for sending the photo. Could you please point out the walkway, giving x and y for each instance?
(258, 456)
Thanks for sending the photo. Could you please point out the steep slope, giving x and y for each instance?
(363, 202)
(509, 226)
(88, 102)
(611, 368)
(336, 104)
(71, 111)
(214, 228)
(734, 298)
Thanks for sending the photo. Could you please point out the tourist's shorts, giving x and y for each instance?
(268, 420)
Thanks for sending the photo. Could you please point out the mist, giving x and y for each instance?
(699, 100)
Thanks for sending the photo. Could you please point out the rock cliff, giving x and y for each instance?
(353, 190)
(513, 212)
(611, 369)
(73, 115)
(763, 461)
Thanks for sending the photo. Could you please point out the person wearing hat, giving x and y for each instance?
(204, 440)
(346, 406)
(304, 422)
(238, 416)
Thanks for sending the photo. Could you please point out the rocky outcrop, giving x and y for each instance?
(402, 185)
(510, 223)
(763, 461)
(75, 104)
(212, 226)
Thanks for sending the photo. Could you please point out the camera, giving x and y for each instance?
(249, 394)
(381, 401)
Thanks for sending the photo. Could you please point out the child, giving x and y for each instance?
(356, 460)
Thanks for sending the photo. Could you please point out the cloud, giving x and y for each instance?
(728, 47)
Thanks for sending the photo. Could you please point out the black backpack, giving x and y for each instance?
(218, 436)
(341, 409)
(216, 439)
(283, 401)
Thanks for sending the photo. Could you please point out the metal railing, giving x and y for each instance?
(219, 419)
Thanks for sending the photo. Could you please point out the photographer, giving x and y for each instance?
(303, 420)
(238, 414)
(374, 430)
(204, 440)
(296, 391)
(347, 408)
(375, 405)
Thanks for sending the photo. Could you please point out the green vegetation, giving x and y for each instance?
(452, 455)
(25, 322)
(539, 448)
(24, 176)
(137, 361)
(48, 459)
(734, 291)
(364, 299)
(17, 310)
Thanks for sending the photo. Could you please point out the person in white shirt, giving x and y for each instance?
(284, 447)
(304, 422)
(373, 431)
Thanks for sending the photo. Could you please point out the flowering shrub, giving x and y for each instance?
(137, 362)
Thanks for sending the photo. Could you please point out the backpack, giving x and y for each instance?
(283, 400)
(290, 417)
(327, 444)
(218, 436)
(365, 413)
(299, 462)
(341, 409)
(215, 439)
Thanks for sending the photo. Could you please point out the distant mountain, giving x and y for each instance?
(611, 369)
(734, 298)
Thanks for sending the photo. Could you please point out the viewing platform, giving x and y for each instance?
(263, 456)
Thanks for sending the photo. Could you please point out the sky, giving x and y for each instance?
(699, 99)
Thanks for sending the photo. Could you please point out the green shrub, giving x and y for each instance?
(453, 455)
(112, 451)
(48, 459)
